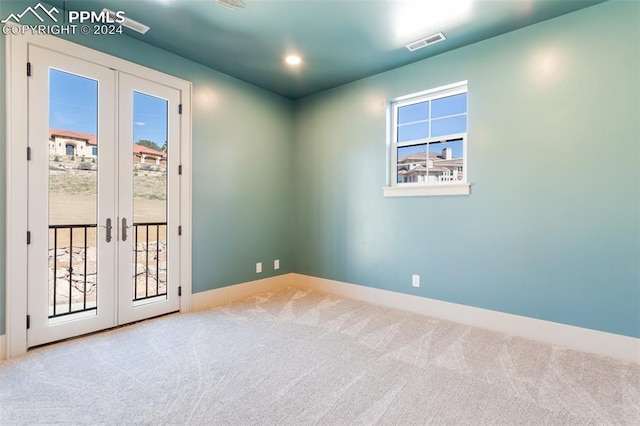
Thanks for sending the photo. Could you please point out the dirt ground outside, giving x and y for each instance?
(73, 198)
(66, 209)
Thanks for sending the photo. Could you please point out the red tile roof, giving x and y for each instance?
(91, 140)
(141, 149)
(88, 137)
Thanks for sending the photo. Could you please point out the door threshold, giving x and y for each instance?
(81, 336)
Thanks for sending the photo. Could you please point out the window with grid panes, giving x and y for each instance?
(429, 142)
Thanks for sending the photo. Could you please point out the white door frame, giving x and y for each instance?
(16, 275)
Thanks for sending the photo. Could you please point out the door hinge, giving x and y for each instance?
(180, 109)
(180, 291)
(28, 69)
(28, 237)
(28, 322)
(180, 169)
(180, 230)
(28, 153)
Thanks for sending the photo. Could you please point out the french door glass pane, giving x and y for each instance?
(149, 230)
(73, 194)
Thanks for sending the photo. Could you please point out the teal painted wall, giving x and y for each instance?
(551, 229)
(242, 174)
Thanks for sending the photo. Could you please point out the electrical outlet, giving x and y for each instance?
(258, 267)
(415, 280)
(276, 264)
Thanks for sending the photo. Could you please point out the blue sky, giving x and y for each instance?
(432, 118)
(149, 118)
(74, 106)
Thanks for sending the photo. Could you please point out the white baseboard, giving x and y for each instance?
(3, 346)
(219, 296)
(616, 346)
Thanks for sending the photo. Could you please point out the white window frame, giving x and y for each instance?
(394, 189)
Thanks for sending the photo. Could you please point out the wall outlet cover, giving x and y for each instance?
(415, 280)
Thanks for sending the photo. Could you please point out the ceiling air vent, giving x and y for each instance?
(424, 42)
(231, 4)
(127, 22)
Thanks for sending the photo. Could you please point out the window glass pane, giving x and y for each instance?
(446, 161)
(450, 105)
(415, 112)
(73, 194)
(412, 164)
(439, 118)
(149, 232)
(149, 158)
(449, 126)
(414, 131)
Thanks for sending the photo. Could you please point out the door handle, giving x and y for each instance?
(109, 228)
(124, 229)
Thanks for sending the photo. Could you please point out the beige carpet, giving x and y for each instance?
(298, 357)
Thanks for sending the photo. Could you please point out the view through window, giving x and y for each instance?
(430, 136)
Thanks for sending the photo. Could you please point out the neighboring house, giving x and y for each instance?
(430, 167)
(66, 142)
(143, 154)
(77, 144)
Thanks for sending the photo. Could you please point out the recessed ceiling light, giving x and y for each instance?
(293, 60)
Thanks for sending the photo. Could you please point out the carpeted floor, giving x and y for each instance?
(296, 357)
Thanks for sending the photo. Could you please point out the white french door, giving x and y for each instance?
(103, 197)
(148, 201)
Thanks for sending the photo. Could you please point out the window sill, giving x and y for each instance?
(427, 190)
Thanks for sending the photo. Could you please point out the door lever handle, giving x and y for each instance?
(109, 228)
(124, 229)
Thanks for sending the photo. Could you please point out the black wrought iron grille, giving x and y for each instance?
(150, 259)
(73, 266)
(72, 290)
